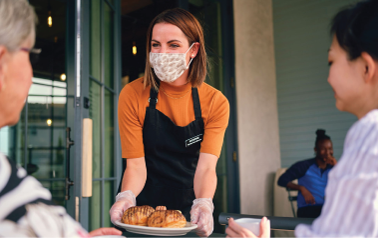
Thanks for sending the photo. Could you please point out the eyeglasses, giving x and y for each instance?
(33, 54)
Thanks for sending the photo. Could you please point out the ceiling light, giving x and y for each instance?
(134, 48)
(49, 19)
(63, 77)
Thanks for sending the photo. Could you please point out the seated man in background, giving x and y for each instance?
(312, 175)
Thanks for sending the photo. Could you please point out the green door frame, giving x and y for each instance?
(82, 112)
(231, 138)
(71, 98)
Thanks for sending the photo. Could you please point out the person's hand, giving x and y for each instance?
(105, 231)
(331, 160)
(124, 200)
(235, 230)
(307, 196)
(202, 215)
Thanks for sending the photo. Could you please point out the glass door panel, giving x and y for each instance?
(95, 39)
(95, 115)
(108, 201)
(95, 206)
(46, 135)
(102, 110)
(12, 140)
(109, 134)
(37, 141)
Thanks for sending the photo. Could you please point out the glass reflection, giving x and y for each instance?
(46, 129)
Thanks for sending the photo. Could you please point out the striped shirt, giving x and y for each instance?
(351, 205)
(26, 209)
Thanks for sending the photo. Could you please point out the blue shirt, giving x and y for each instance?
(310, 176)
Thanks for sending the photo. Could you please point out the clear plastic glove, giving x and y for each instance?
(124, 200)
(202, 215)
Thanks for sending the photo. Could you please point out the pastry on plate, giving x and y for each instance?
(166, 219)
(137, 215)
(161, 208)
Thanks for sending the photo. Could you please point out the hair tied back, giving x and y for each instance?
(320, 132)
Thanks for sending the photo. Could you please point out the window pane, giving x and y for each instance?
(12, 140)
(57, 189)
(95, 39)
(46, 129)
(109, 134)
(109, 46)
(95, 115)
(95, 206)
(109, 200)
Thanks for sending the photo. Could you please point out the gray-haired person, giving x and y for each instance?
(26, 209)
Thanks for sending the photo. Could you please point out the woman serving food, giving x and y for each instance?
(172, 125)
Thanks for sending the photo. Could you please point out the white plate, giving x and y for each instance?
(157, 231)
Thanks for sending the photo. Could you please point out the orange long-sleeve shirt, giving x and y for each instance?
(177, 104)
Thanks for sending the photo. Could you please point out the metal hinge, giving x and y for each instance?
(234, 156)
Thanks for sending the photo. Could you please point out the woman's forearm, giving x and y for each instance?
(135, 176)
(205, 178)
(294, 186)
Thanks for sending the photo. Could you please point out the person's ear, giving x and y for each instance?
(370, 73)
(315, 150)
(3, 51)
(194, 50)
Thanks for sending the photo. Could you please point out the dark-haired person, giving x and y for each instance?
(350, 209)
(26, 209)
(172, 125)
(312, 175)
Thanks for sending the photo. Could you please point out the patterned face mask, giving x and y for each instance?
(169, 66)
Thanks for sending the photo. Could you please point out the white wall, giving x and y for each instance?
(305, 99)
(259, 152)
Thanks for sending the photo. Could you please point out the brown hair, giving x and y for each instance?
(192, 29)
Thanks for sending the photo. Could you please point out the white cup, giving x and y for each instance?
(251, 224)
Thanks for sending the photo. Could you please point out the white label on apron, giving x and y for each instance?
(193, 140)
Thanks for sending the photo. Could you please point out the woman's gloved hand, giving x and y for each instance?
(202, 215)
(124, 200)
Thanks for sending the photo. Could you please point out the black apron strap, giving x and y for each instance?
(196, 104)
(153, 97)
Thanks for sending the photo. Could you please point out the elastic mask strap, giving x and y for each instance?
(191, 59)
(190, 47)
(189, 63)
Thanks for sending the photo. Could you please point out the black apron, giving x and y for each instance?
(171, 154)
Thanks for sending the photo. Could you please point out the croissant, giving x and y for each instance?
(160, 208)
(137, 215)
(167, 219)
